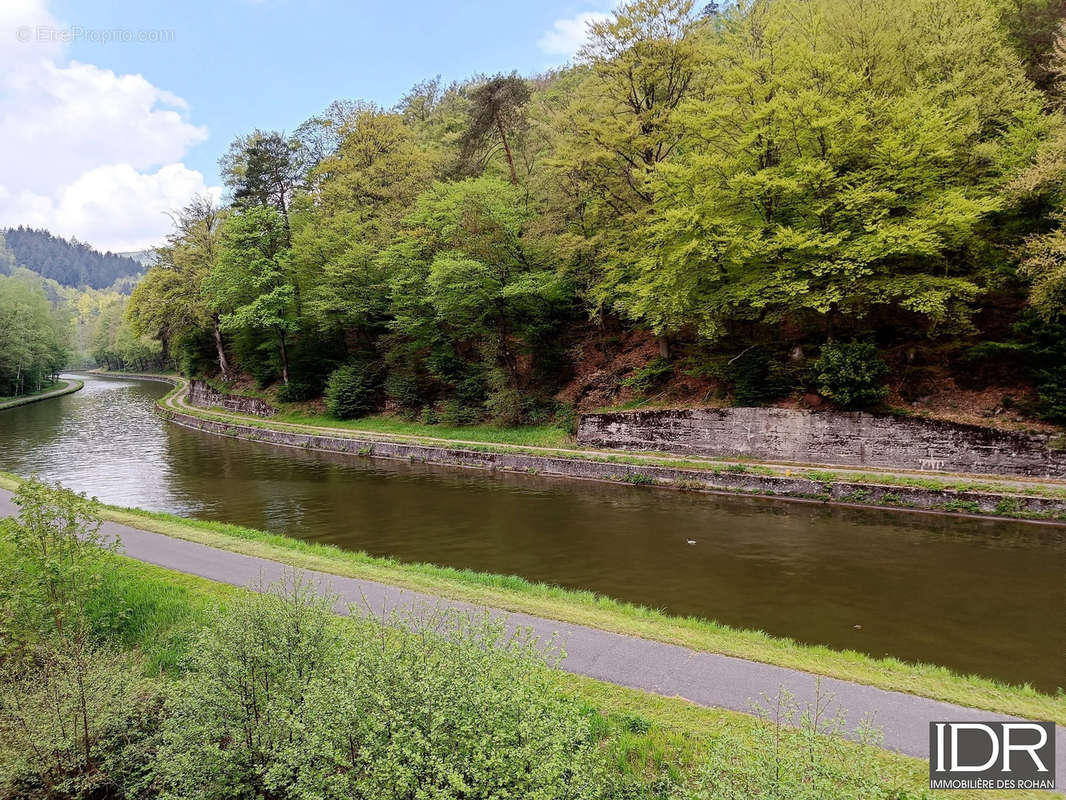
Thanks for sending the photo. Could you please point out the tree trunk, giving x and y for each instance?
(507, 150)
(284, 361)
(223, 364)
(664, 345)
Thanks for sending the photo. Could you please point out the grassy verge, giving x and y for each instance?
(586, 608)
(645, 735)
(56, 389)
(529, 435)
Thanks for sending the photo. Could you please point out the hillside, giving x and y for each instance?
(70, 263)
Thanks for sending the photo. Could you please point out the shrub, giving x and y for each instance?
(801, 753)
(70, 720)
(352, 391)
(284, 701)
(299, 391)
(461, 709)
(650, 376)
(851, 374)
(240, 724)
(757, 379)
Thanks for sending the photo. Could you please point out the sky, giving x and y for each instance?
(115, 112)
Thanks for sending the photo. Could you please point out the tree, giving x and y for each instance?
(472, 286)
(169, 303)
(34, 336)
(496, 116)
(264, 168)
(1044, 254)
(642, 65)
(829, 170)
(250, 285)
(364, 189)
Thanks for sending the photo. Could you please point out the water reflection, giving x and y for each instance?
(977, 595)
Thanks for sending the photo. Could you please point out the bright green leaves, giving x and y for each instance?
(804, 184)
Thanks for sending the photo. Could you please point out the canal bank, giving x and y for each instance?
(703, 678)
(824, 580)
(511, 594)
(1028, 500)
(68, 387)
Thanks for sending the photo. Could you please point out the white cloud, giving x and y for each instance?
(567, 35)
(114, 207)
(85, 151)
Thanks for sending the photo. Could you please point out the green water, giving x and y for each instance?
(979, 596)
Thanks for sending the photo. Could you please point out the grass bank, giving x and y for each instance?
(835, 485)
(586, 608)
(525, 435)
(57, 389)
(645, 736)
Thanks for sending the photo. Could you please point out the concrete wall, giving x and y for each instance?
(831, 438)
(203, 396)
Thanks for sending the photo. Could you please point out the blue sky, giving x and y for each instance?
(135, 125)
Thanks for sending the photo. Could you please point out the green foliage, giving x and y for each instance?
(650, 376)
(33, 337)
(353, 391)
(851, 374)
(54, 548)
(70, 263)
(758, 172)
(1038, 348)
(816, 177)
(824, 766)
(282, 702)
(77, 721)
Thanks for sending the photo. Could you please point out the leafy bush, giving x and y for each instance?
(405, 391)
(70, 720)
(851, 374)
(285, 702)
(299, 391)
(650, 376)
(462, 709)
(352, 391)
(757, 379)
(240, 725)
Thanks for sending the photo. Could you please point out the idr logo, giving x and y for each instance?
(991, 755)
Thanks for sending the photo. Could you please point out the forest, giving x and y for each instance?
(70, 263)
(46, 325)
(834, 201)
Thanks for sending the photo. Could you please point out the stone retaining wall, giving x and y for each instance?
(690, 479)
(203, 396)
(830, 437)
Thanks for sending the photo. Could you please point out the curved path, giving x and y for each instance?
(703, 678)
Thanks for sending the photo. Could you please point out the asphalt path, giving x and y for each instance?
(706, 679)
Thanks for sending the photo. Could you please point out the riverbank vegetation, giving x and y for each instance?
(56, 389)
(34, 338)
(123, 680)
(513, 593)
(762, 202)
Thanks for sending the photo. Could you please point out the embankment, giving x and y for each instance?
(838, 438)
(68, 387)
(723, 478)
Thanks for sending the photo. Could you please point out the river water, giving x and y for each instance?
(980, 596)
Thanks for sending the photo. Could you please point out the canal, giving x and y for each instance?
(979, 596)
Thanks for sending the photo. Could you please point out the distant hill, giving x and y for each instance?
(146, 258)
(70, 263)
